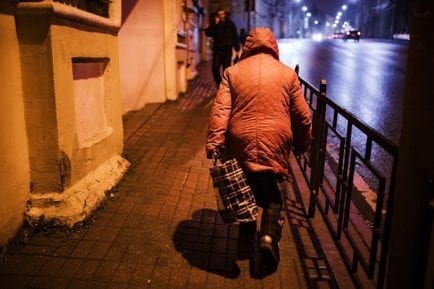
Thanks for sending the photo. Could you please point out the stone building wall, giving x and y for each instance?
(62, 135)
(14, 171)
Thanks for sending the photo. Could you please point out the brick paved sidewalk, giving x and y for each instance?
(159, 228)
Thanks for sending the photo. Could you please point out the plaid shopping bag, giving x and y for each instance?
(235, 199)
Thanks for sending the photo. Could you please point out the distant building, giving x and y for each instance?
(382, 18)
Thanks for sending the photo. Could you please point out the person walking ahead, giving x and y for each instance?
(225, 37)
(258, 116)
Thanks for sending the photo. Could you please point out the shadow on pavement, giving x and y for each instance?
(208, 244)
(317, 270)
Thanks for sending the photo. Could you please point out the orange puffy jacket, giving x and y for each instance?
(259, 113)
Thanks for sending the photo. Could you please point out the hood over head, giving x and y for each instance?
(260, 40)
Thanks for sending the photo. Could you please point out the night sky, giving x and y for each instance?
(331, 6)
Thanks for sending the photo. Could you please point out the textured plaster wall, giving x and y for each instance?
(40, 109)
(92, 46)
(147, 41)
(89, 92)
(52, 163)
(172, 12)
(71, 91)
(14, 168)
(142, 55)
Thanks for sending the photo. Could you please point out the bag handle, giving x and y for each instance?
(217, 157)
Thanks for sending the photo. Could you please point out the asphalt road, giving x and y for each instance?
(366, 77)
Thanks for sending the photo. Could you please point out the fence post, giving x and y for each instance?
(317, 152)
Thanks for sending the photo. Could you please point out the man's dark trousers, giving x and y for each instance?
(222, 57)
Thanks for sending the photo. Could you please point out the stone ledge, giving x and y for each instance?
(78, 202)
(61, 10)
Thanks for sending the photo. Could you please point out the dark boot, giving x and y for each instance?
(271, 230)
(269, 250)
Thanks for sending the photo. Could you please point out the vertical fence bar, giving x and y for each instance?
(387, 226)
(344, 182)
(377, 227)
(317, 154)
(368, 150)
(324, 130)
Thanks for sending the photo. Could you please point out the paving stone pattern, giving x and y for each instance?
(159, 227)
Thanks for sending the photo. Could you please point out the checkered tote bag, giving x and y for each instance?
(235, 199)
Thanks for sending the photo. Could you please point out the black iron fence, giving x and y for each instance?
(351, 170)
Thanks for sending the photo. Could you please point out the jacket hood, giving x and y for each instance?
(260, 40)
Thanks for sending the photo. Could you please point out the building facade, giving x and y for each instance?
(378, 19)
(72, 70)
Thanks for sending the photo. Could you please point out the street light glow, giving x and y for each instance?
(297, 1)
(317, 37)
(344, 7)
(308, 14)
(304, 8)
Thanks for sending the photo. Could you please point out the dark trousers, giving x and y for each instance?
(221, 58)
(268, 189)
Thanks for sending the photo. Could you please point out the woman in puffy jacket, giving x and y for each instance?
(258, 116)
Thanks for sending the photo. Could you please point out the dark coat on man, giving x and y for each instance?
(224, 35)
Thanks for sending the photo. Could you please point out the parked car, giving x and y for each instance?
(352, 34)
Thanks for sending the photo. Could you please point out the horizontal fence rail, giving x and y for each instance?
(351, 171)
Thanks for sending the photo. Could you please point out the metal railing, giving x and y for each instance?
(351, 170)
